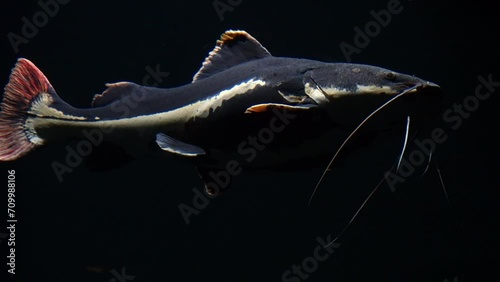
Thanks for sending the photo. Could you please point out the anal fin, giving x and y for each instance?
(175, 146)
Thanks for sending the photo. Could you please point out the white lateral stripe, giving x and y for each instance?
(175, 118)
(373, 89)
(41, 107)
(318, 94)
(334, 91)
(211, 104)
(203, 108)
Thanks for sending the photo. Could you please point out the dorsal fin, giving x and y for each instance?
(115, 92)
(234, 47)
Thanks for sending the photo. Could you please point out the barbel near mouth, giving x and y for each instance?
(414, 89)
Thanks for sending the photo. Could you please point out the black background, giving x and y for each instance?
(94, 222)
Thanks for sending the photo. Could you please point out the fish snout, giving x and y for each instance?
(423, 101)
(428, 84)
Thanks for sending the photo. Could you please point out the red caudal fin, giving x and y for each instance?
(17, 134)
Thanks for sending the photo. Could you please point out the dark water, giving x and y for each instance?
(125, 224)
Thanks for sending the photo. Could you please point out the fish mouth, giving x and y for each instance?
(423, 101)
(421, 94)
(423, 86)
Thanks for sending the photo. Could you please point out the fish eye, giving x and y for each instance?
(390, 76)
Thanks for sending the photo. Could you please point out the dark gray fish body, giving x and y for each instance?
(293, 107)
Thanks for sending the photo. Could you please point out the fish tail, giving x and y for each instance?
(25, 96)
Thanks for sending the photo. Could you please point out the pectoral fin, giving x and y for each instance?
(175, 146)
(270, 106)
